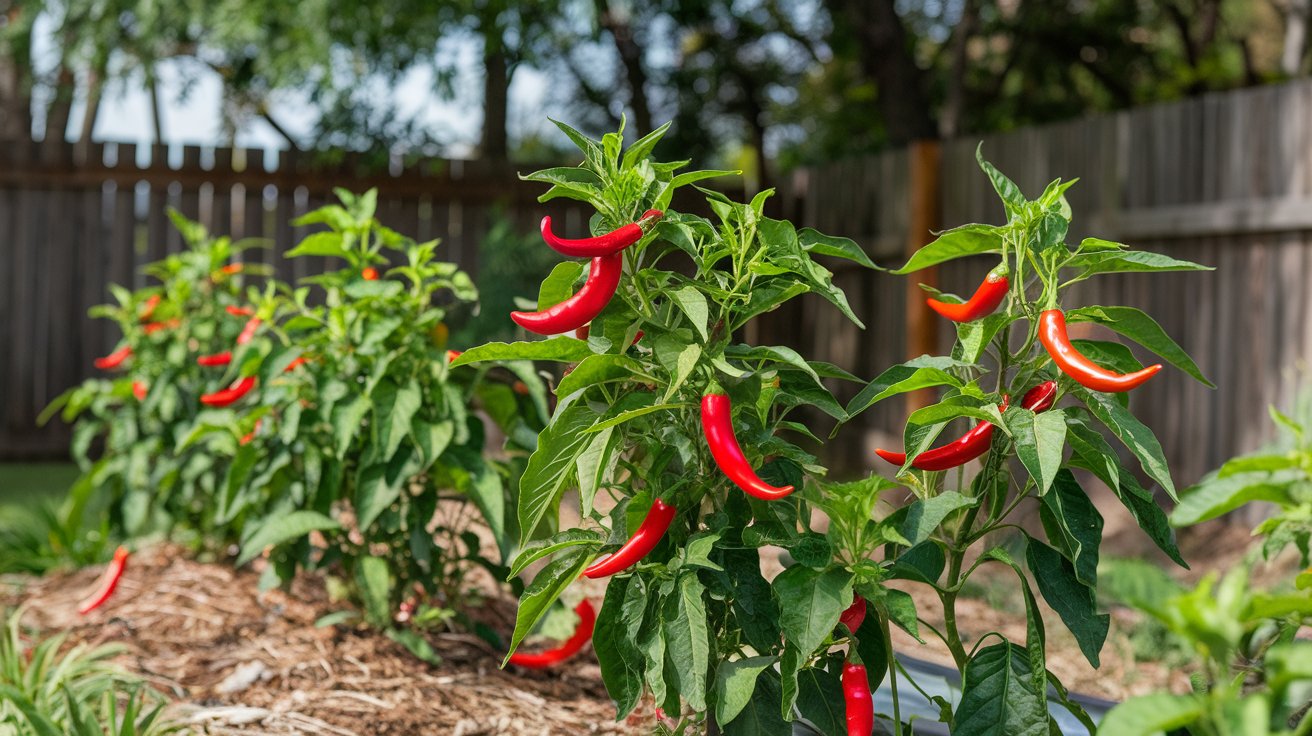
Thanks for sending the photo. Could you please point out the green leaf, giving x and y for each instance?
(375, 581)
(818, 243)
(810, 603)
(559, 284)
(631, 414)
(394, 411)
(597, 369)
(820, 696)
(974, 337)
(1073, 601)
(1138, 326)
(415, 643)
(547, 547)
(594, 464)
(919, 520)
(560, 349)
(913, 375)
(997, 697)
(678, 357)
(735, 682)
(347, 419)
(1007, 190)
(1040, 442)
(1117, 261)
(320, 244)
(687, 639)
(1074, 524)
(546, 587)
(761, 717)
(281, 528)
(1093, 453)
(1133, 433)
(1149, 715)
(1217, 496)
(620, 661)
(551, 467)
(693, 303)
(959, 242)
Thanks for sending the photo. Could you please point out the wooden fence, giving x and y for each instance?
(1224, 180)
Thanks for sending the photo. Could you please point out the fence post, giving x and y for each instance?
(923, 219)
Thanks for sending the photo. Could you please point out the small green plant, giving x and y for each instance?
(48, 692)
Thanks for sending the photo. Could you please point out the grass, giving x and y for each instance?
(29, 484)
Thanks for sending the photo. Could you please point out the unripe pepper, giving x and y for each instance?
(858, 702)
(986, 298)
(1053, 335)
(541, 660)
(717, 425)
(230, 394)
(642, 542)
(578, 310)
(114, 359)
(601, 245)
(107, 583)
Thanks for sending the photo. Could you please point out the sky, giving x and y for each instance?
(192, 114)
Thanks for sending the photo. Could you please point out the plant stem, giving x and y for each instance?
(892, 673)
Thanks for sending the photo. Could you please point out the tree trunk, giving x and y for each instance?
(1296, 19)
(631, 57)
(95, 85)
(61, 107)
(885, 57)
(156, 109)
(496, 84)
(949, 123)
(15, 83)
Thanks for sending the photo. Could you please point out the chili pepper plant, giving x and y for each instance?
(364, 452)
(1074, 404)
(130, 425)
(682, 443)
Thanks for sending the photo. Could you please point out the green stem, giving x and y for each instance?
(892, 673)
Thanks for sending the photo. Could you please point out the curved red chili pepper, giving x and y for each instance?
(717, 425)
(639, 545)
(854, 615)
(541, 660)
(859, 704)
(297, 363)
(237, 311)
(222, 358)
(148, 308)
(154, 327)
(601, 245)
(107, 583)
(986, 298)
(229, 394)
(114, 359)
(248, 332)
(1040, 398)
(369, 274)
(1052, 333)
(139, 390)
(958, 452)
(578, 310)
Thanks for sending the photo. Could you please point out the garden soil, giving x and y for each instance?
(241, 662)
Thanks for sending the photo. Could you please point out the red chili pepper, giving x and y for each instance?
(370, 274)
(860, 705)
(297, 363)
(139, 390)
(222, 358)
(114, 359)
(1040, 398)
(601, 245)
(246, 440)
(854, 615)
(154, 327)
(451, 355)
(1052, 333)
(148, 308)
(237, 311)
(986, 298)
(958, 452)
(520, 388)
(107, 583)
(717, 425)
(572, 645)
(642, 542)
(248, 332)
(578, 310)
(230, 394)
(232, 269)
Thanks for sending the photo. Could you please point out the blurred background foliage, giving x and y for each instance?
(762, 84)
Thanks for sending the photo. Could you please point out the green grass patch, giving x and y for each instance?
(29, 484)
